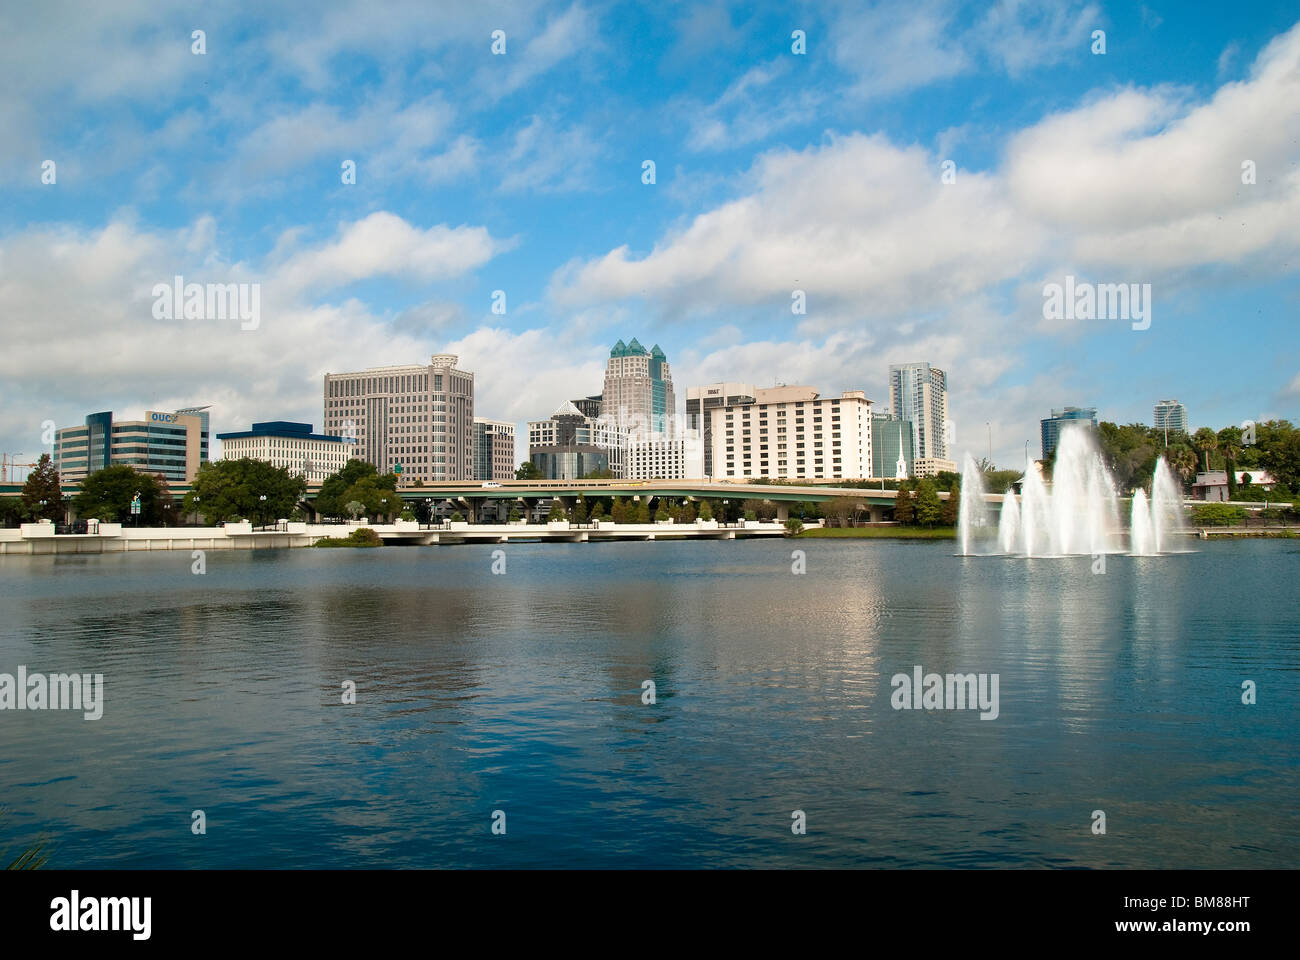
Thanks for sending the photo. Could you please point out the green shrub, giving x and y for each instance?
(1217, 515)
(456, 517)
(361, 537)
(793, 527)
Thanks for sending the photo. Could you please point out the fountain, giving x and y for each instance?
(1079, 515)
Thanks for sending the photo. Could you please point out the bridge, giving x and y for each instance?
(468, 495)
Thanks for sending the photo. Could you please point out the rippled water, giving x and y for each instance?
(522, 692)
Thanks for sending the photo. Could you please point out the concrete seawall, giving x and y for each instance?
(36, 539)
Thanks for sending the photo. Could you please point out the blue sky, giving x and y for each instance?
(775, 171)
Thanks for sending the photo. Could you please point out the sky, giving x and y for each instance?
(921, 171)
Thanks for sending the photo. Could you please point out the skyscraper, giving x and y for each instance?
(1171, 415)
(638, 392)
(918, 393)
(494, 449)
(1051, 427)
(417, 420)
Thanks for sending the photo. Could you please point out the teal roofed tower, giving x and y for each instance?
(619, 350)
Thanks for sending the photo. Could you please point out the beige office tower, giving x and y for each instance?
(638, 395)
(416, 421)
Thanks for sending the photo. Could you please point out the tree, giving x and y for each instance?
(556, 511)
(928, 507)
(1182, 461)
(332, 499)
(602, 473)
(377, 499)
(597, 511)
(950, 510)
(106, 495)
(706, 512)
(1281, 456)
(515, 514)
(580, 510)
(793, 527)
(661, 512)
(904, 506)
(643, 512)
(1206, 442)
(229, 489)
(688, 512)
(529, 471)
(1230, 447)
(42, 484)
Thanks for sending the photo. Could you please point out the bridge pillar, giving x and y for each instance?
(782, 511)
(877, 513)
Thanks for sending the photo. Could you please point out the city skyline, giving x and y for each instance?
(470, 180)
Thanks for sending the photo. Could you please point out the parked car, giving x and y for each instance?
(490, 484)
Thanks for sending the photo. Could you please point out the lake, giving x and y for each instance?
(522, 692)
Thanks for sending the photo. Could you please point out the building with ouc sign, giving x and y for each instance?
(168, 444)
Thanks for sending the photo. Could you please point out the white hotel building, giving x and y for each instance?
(792, 432)
(283, 443)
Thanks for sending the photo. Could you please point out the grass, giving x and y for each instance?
(883, 533)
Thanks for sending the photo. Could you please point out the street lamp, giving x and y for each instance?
(261, 510)
(196, 511)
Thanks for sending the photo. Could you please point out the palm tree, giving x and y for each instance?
(1182, 460)
(1207, 442)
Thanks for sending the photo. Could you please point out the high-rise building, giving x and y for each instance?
(588, 406)
(918, 393)
(416, 421)
(569, 446)
(701, 401)
(1052, 426)
(292, 446)
(638, 390)
(793, 432)
(169, 445)
(1171, 415)
(891, 447)
(494, 449)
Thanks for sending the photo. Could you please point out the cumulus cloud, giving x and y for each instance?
(384, 244)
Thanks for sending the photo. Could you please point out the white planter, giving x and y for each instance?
(605, 525)
(706, 524)
(459, 524)
(409, 526)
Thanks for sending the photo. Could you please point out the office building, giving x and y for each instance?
(494, 449)
(416, 421)
(169, 445)
(1171, 415)
(891, 448)
(663, 456)
(793, 432)
(1052, 426)
(918, 393)
(291, 446)
(702, 401)
(569, 446)
(638, 388)
(588, 406)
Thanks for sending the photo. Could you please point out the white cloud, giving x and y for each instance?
(383, 244)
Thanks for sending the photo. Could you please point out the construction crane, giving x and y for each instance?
(7, 462)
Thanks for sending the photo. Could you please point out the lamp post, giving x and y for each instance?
(196, 511)
(261, 509)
